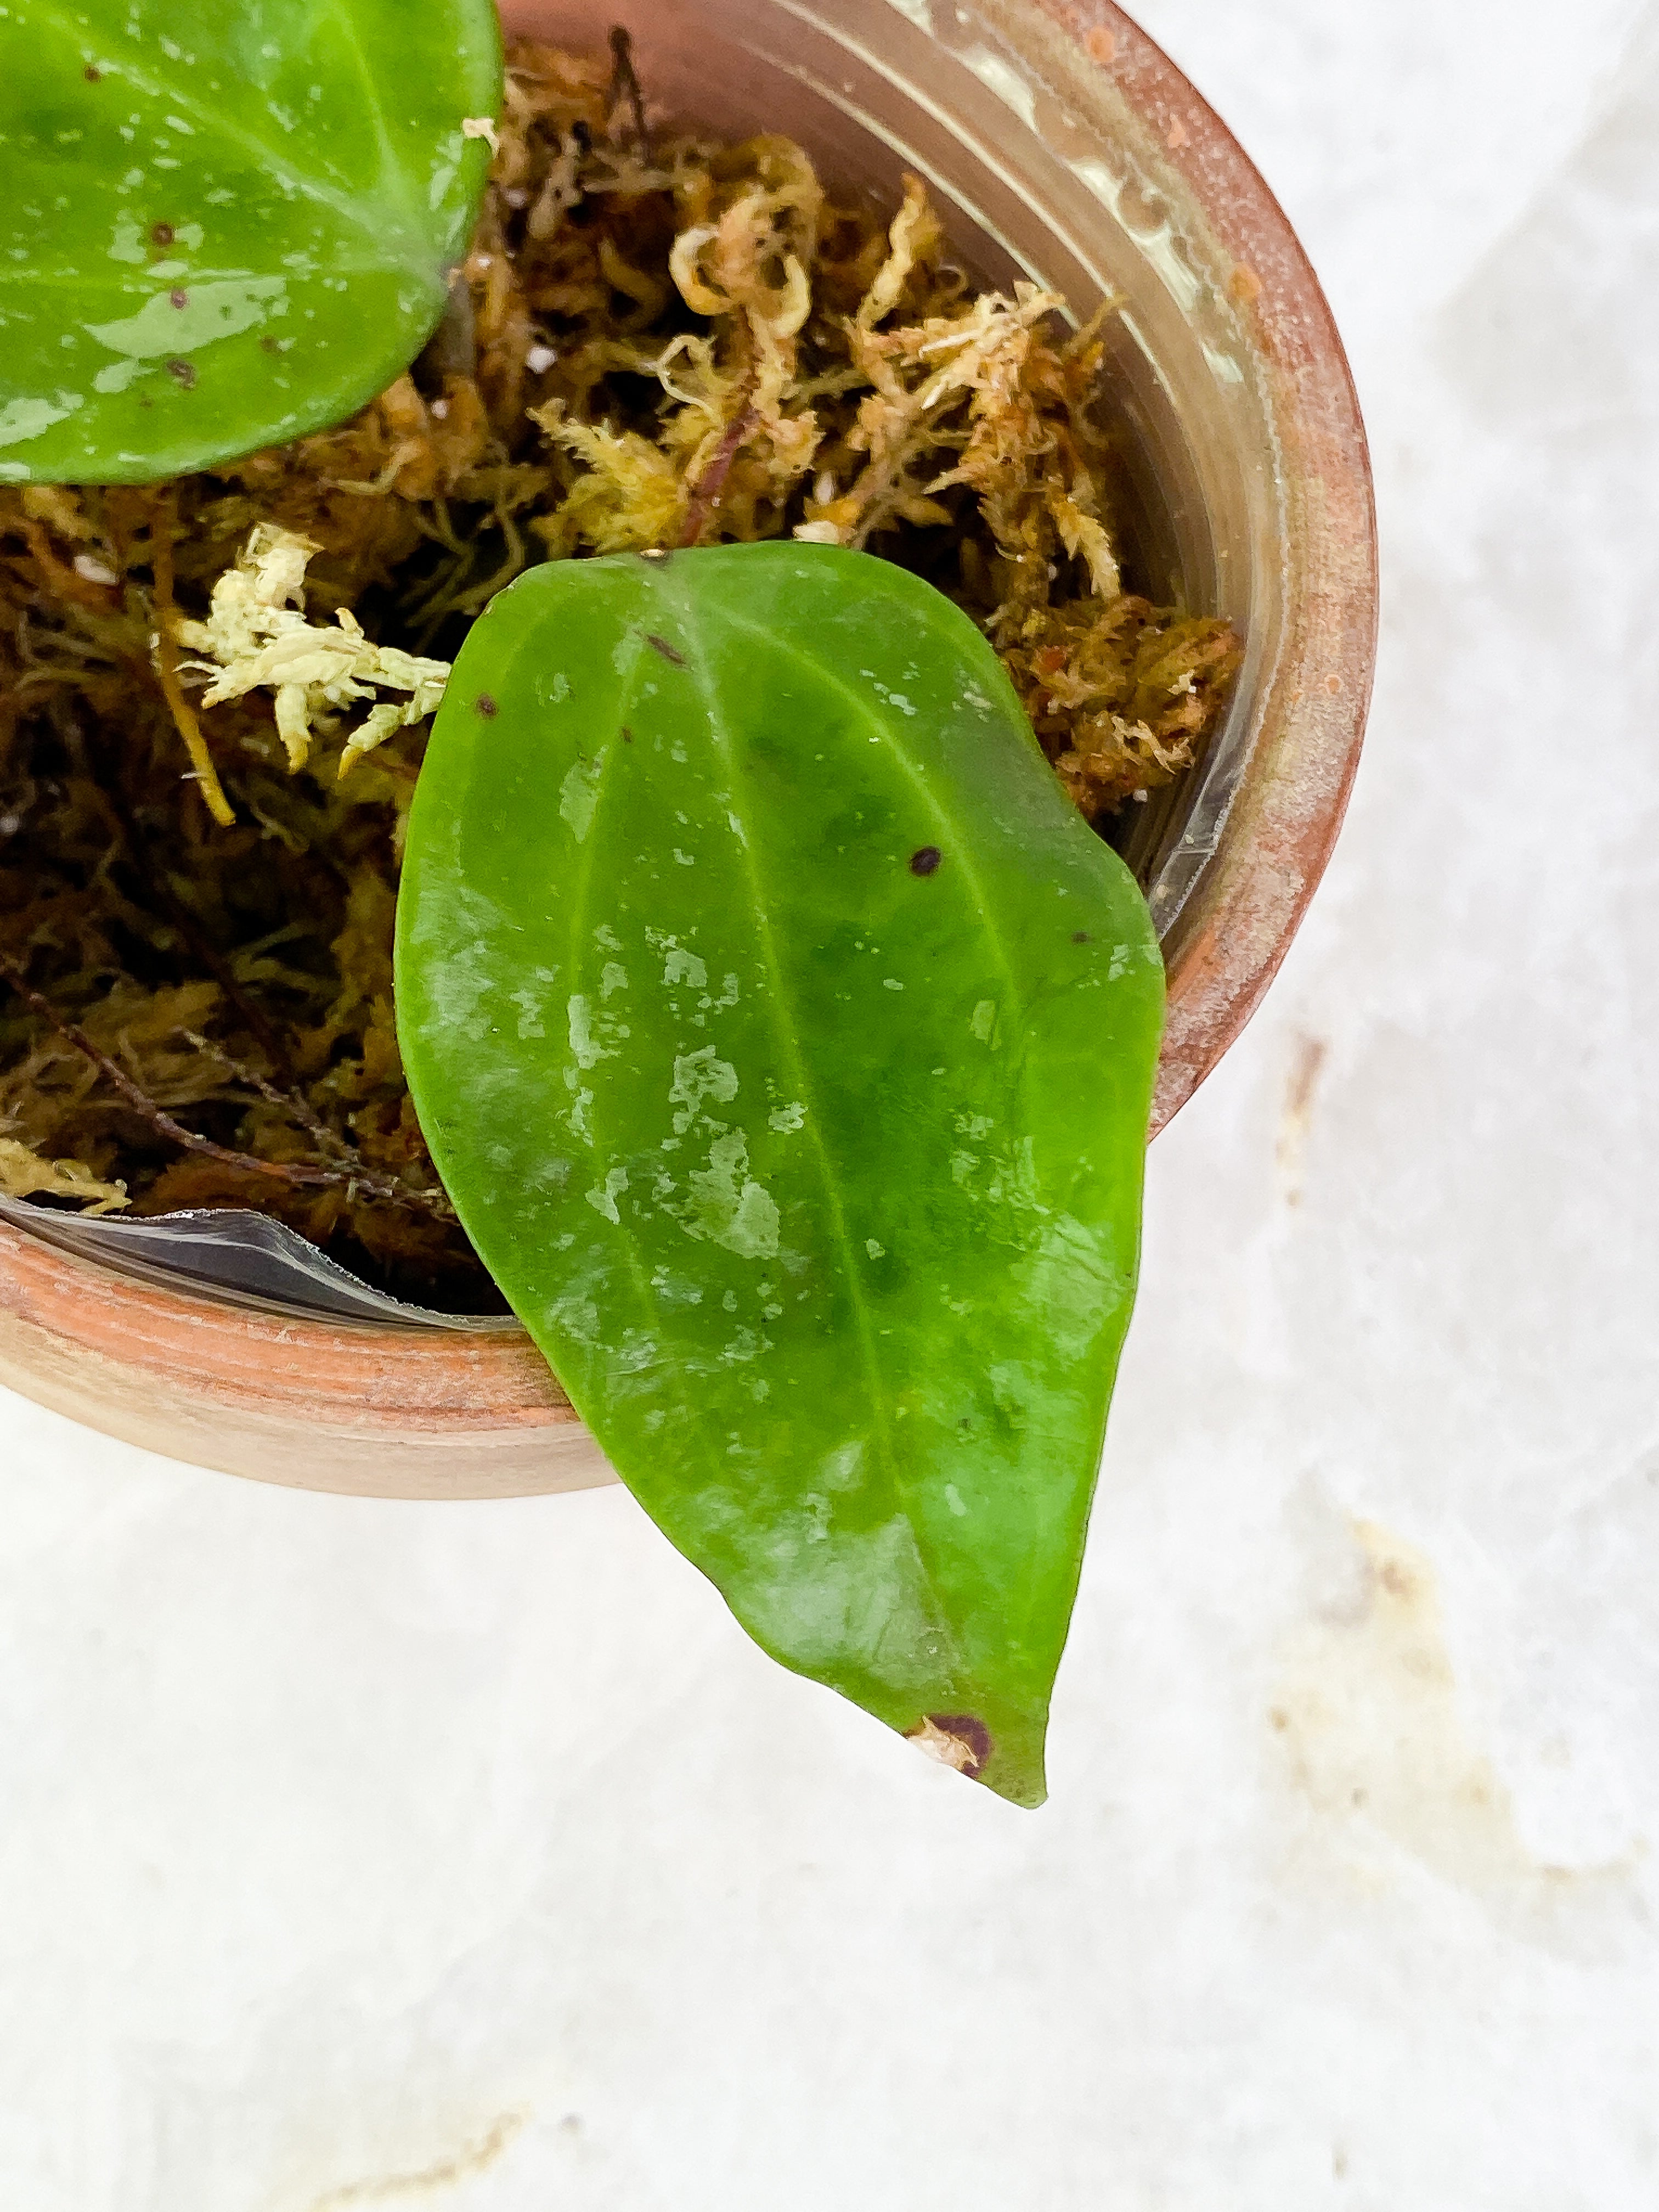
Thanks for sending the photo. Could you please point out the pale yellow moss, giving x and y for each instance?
(1084, 536)
(256, 638)
(24, 1174)
(913, 236)
(632, 497)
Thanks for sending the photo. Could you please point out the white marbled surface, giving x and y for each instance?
(356, 1854)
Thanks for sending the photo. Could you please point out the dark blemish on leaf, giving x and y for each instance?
(178, 297)
(93, 74)
(957, 1740)
(182, 374)
(1080, 936)
(661, 644)
(968, 1729)
(484, 704)
(269, 344)
(924, 862)
(627, 735)
(160, 233)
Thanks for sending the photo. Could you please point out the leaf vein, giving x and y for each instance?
(343, 202)
(573, 951)
(960, 842)
(789, 1037)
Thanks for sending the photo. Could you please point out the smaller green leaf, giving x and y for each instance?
(224, 224)
(786, 1041)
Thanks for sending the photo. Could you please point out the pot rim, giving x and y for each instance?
(378, 1410)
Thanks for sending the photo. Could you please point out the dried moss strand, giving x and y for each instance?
(327, 1140)
(625, 85)
(364, 1183)
(155, 880)
(167, 667)
(286, 1102)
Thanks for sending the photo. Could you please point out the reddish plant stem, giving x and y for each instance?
(706, 492)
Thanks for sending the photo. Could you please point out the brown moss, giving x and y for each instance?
(649, 344)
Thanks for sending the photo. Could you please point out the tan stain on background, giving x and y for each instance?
(1368, 1717)
(472, 2158)
(1307, 1064)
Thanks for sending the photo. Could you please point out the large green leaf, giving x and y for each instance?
(224, 222)
(786, 1041)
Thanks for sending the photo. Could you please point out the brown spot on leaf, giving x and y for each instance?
(661, 644)
(961, 1741)
(269, 344)
(1080, 936)
(160, 233)
(182, 374)
(484, 704)
(627, 735)
(178, 297)
(923, 862)
(93, 74)
(1244, 285)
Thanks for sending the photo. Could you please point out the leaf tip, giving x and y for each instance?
(960, 1741)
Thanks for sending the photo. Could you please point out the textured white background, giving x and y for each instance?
(356, 1854)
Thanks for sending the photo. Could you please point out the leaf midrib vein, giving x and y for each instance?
(788, 1030)
(345, 205)
(389, 162)
(192, 279)
(626, 695)
(946, 822)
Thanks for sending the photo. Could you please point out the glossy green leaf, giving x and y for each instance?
(224, 222)
(786, 1041)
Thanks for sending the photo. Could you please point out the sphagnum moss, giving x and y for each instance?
(651, 343)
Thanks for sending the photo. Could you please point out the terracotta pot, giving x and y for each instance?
(1060, 143)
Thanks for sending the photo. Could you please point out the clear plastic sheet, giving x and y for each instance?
(232, 1253)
